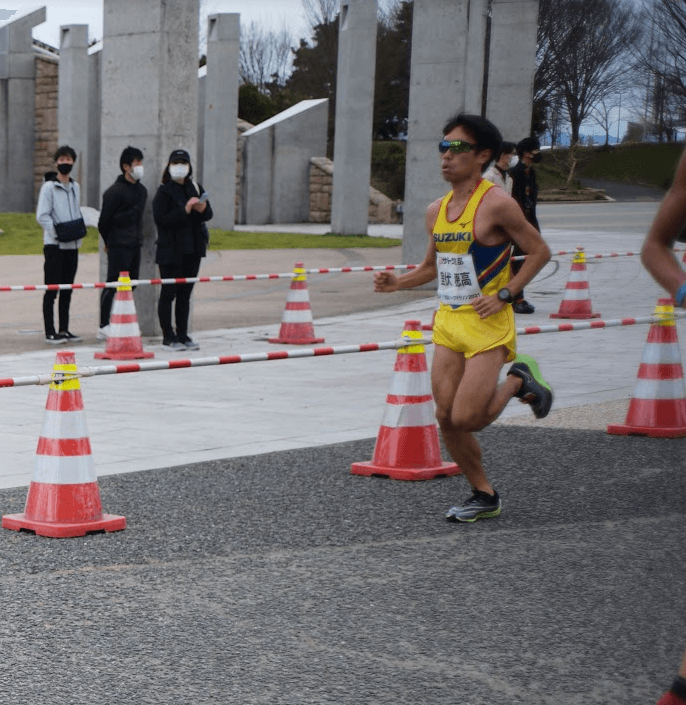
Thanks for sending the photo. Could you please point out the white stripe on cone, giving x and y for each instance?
(64, 424)
(408, 415)
(659, 389)
(64, 469)
(661, 353)
(410, 384)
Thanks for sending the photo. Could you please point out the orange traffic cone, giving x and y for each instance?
(658, 406)
(407, 447)
(64, 498)
(576, 302)
(124, 340)
(297, 327)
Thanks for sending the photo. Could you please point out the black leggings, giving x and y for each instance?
(119, 259)
(60, 268)
(189, 267)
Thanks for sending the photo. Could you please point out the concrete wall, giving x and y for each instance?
(440, 37)
(220, 116)
(512, 66)
(17, 113)
(276, 163)
(46, 118)
(149, 100)
(354, 116)
(380, 208)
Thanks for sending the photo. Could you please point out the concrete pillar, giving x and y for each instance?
(221, 116)
(440, 36)
(354, 117)
(476, 57)
(512, 66)
(276, 163)
(17, 113)
(94, 129)
(150, 101)
(73, 100)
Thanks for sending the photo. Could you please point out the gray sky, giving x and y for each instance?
(272, 14)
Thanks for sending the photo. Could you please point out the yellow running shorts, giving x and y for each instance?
(463, 331)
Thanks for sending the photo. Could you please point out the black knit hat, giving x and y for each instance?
(528, 144)
(179, 155)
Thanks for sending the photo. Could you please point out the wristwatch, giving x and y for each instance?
(505, 295)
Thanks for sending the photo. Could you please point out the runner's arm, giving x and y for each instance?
(425, 272)
(519, 230)
(657, 254)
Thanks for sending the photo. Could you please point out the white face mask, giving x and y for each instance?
(513, 161)
(178, 172)
(137, 172)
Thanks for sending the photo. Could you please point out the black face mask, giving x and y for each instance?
(537, 158)
(64, 169)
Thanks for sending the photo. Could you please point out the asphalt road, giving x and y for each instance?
(283, 579)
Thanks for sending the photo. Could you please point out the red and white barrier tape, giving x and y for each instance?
(207, 361)
(203, 280)
(580, 250)
(129, 367)
(281, 275)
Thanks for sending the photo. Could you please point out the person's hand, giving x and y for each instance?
(191, 203)
(200, 206)
(486, 306)
(385, 282)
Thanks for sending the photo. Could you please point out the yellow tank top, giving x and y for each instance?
(467, 269)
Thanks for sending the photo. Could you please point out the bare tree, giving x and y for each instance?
(320, 11)
(662, 63)
(603, 112)
(583, 53)
(265, 56)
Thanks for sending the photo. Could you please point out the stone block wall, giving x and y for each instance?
(46, 118)
(381, 208)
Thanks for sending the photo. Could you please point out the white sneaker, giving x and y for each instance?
(103, 333)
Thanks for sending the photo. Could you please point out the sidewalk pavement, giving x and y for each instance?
(281, 578)
(158, 419)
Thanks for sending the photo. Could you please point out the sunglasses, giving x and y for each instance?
(456, 146)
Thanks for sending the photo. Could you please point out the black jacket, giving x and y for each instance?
(525, 191)
(121, 217)
(179, 233)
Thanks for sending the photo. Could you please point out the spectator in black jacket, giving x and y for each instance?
(121, 227)
(525, 192)
(180, 209)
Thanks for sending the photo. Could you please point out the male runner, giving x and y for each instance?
(471, 230)
(659, 259)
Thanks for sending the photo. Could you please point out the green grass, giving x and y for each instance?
(23, 236)
(645, 164)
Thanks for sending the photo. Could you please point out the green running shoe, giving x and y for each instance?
(534, 390)
(480, 505)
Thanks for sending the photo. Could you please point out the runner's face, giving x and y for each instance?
(462, 167)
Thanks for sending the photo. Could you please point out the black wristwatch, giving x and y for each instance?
(505, 295)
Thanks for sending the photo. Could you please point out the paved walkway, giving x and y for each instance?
(158, 419)
(248, 577)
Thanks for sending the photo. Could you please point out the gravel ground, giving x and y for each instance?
(282, 578)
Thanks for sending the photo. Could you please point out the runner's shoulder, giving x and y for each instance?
(497, 202)
(432, 212)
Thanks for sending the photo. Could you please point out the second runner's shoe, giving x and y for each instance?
(534, 390)
(480, 505)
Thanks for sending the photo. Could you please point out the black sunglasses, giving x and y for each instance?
(455, 146)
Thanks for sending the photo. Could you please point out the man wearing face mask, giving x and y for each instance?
(525, 192)
(180, 209)
(121, 227)
(59, 214)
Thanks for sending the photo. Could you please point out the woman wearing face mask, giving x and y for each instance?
(180, 213)
(59, 214)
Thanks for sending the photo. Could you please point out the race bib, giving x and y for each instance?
(457, 280)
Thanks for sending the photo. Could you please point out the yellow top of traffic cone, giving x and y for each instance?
(411, 332)
(665, 311)
(124, 282)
